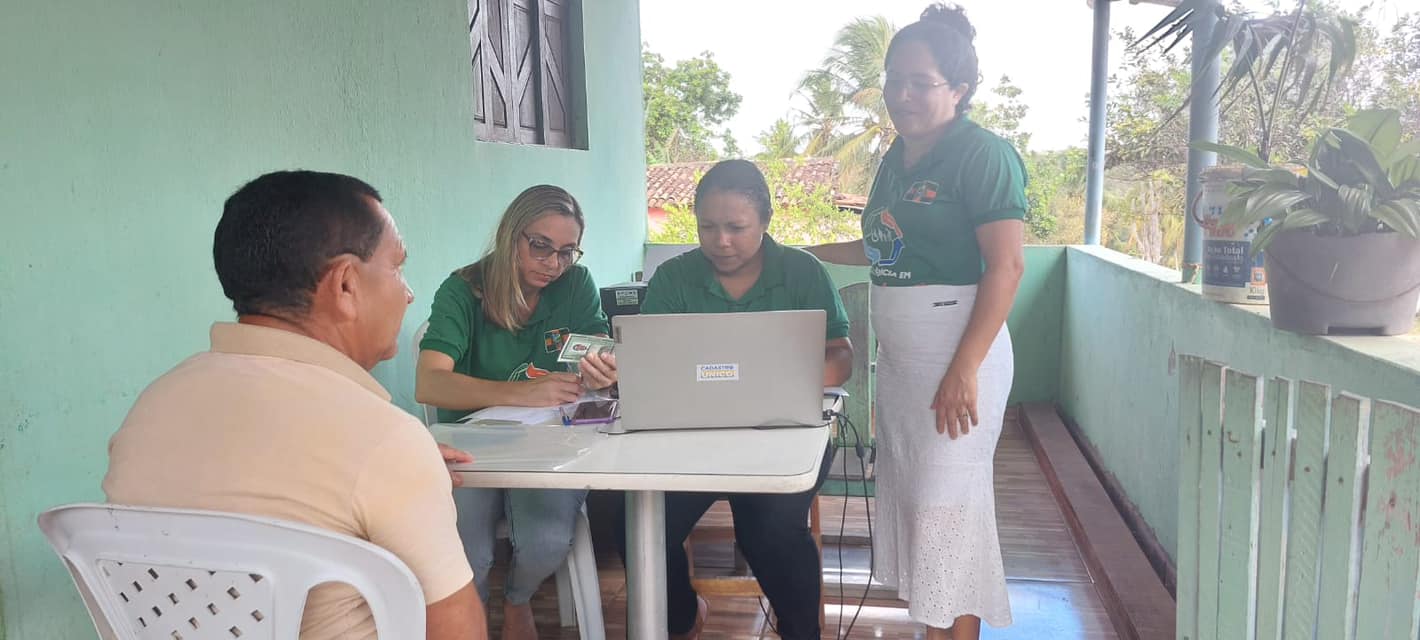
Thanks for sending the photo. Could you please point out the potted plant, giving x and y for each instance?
(1341, 231)
(1279, 74)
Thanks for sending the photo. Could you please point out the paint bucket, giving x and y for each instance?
(1231, 273)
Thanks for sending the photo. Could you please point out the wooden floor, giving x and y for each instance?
(1052, 593)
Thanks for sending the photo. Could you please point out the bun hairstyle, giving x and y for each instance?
(950, 37)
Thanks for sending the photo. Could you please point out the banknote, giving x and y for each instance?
(578, 346)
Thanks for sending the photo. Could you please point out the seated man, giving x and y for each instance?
(282, 419)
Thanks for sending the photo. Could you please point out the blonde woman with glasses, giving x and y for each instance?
(495, 329)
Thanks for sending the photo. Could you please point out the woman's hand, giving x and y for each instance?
(554, 389)
(598, 370)
(955, 402)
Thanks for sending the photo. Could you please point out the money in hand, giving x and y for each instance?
(578, 346)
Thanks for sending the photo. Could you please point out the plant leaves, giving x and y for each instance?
(1315, 172)
(1274, 176)
(1264, 238)
(1274, 200)
(1302, 218)
(1356, 205)
(1241, 189)
(1410, 148)
(1358, 153)
(1340, 34)
(1246, 51)
(1234, 211)
(1379, 128)
(1237, 154)
(1402, 215)
(1267, 201)
(1406, 173)
(1178, 19)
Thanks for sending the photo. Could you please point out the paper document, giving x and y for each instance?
(516, 447)
(514, 415)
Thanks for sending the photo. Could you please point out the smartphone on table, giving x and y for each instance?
(591, 412)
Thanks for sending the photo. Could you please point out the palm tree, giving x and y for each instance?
(823, 117)
(780, 141)
(856, 130)
(1282, 58)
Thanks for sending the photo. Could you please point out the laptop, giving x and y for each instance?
(720, 370)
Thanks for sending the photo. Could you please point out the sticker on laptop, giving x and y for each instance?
(717, 372)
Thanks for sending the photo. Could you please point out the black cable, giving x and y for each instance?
(768, 619)
(868, 517)
(862, 454)
(867, 506)
(842, 529)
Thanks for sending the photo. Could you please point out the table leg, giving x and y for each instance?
(646, 565)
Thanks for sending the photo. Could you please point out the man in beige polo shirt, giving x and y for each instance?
(281, 418)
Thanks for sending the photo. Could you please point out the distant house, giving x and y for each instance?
(673, 185)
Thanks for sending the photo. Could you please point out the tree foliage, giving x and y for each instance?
(685, 105)
(803, 214)
(839, 112)
(779, 141)
(847, 117)
(1003, 113)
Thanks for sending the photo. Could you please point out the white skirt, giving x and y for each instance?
(936, 535)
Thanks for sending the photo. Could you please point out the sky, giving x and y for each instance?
(1043, 45)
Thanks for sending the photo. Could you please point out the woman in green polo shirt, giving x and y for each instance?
(495, 329)
(738, 267)
(942, 233)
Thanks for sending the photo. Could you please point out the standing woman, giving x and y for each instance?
(495, 329)
(943, 236)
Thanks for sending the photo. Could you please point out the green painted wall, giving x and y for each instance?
(1036, 327)
(125, 125)
(1124, 322)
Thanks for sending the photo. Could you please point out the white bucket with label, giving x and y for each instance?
(1230, 272)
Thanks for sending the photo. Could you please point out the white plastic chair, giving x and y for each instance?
(579, 598)
(178, 574)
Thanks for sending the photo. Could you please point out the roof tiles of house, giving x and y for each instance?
(674, 184)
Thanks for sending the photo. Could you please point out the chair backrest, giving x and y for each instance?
(431, 415)
(185, 574)
(860, 385)
(657, 254)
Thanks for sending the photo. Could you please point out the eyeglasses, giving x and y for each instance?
(541, 250)
(914, 86)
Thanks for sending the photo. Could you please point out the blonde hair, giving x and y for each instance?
(495, 277)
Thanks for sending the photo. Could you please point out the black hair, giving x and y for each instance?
(738, 176)
(949, 36)
(279, 232)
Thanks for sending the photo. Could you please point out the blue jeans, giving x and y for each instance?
(541, 523)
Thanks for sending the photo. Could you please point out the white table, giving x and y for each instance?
(646, 465)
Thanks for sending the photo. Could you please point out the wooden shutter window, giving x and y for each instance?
(521, 76)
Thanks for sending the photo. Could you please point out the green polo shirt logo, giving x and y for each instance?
(921, 222)
(552, 340)
(527, 371)
(923, 192)
(883, 239)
